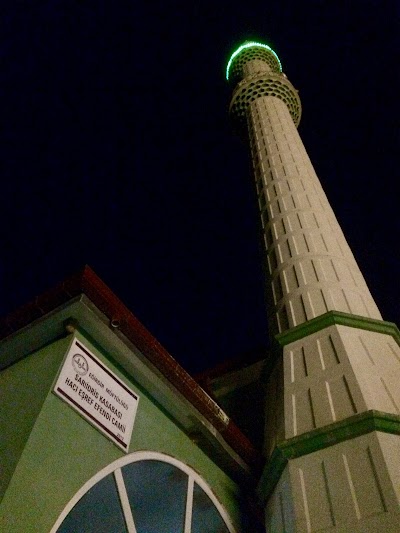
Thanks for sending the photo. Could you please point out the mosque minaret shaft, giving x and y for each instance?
(332, 416)
(312, 269)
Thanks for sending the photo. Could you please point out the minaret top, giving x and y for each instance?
(250, 51)
(255, 71)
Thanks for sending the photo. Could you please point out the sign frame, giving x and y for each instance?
(97, 394)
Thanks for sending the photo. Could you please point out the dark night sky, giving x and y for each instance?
(117, 151)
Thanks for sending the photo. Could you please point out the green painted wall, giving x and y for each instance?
(23, 389)
(63, 450)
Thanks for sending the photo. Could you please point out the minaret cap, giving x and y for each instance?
(250, 44)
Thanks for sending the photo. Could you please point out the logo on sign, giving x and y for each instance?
(80, 364)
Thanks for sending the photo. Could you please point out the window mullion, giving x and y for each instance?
(189, 505)
(123, 497)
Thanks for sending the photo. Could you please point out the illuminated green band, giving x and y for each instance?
(249, 45)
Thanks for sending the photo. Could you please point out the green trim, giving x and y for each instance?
(250, 45)
(349, 428)
(321, 438)
(271, 474)
(332, 318)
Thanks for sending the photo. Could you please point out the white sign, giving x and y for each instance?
(97, 394)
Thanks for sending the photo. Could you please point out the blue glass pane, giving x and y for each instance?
(98, 511)
(157, 494)
(205, 517)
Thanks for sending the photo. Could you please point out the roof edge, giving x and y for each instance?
(87, 282)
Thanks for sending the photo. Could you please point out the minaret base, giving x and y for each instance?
(333, 428)
(353, 486)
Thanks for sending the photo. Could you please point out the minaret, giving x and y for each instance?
(332, 430)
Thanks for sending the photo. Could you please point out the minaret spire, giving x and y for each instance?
(333, 398)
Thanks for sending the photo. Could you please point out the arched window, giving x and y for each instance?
(146, 492)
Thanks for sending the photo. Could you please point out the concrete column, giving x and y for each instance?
(312, 269)
(256, 66)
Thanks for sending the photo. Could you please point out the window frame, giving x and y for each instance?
(115, 469)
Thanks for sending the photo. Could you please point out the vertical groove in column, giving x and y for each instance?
(328, 391)
(305, 502)
(310, 400)
(377, 482)
(321, 355)
(390, 396)
(294, 414)
(328, 493)
(352, 402)
(397, 356)
(351, 487)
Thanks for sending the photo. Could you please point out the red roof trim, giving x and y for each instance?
(88, 283)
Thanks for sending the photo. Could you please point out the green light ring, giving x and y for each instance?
(249, 45)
